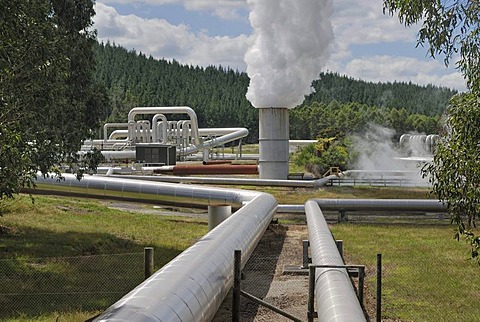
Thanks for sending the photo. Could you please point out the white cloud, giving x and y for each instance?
(391, 68)
(226, 9)
(159, 38)
(363, 22)
(355, 23)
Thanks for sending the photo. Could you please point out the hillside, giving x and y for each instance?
(217, 94)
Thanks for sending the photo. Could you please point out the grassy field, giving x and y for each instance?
(58, 227)
(287, 195)
(427, 276)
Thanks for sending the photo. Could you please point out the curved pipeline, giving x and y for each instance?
(107, 125)
(167, 110)
(189, 288)
(238, 134)
(156, 125)
(335, 295)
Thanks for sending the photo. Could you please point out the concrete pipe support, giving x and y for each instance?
(217, 214)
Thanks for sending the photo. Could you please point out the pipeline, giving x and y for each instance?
(335, 295)
(165, 110)
(215, 169)
(407, 205)
(234, 181)
(192, 289)
(189, 288)
(428, 205)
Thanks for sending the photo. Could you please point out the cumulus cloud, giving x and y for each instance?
(387, 68)
(159, 38)
(363, 22)
(355, 23)
(226, 9)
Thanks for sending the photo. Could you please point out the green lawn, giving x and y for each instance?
(427, 275)
(34, 236)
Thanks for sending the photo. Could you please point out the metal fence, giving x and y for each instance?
(425, 290)
(33, 287)
(414, 287)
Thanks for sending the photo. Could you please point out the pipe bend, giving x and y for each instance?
(201, 276)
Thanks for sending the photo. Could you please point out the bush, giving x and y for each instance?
(319, 157)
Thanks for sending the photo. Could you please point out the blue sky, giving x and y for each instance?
(368, 45)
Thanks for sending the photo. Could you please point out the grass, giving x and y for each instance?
(69, 227)
(287, 195)
(427, 275)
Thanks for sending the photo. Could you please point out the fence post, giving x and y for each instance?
(361, 282)
(237, 285)
(148, 261)
(339, 243)
(305, 259)
(379, 287)
(311, 293)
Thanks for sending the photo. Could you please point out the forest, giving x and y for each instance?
(339, 106)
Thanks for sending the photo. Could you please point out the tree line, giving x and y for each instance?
(339, 104)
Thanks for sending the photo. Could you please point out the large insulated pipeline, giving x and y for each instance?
(215, 169)
(166, 110)
(427, 205)
(193, 285)
(237, 134)
(407, 205)
(155, 129)
(236, 181)
(107, 125)
(335, 295)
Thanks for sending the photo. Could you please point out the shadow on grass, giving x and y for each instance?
(37, 279)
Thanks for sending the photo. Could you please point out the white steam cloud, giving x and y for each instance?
(377, 152)
(291, 42)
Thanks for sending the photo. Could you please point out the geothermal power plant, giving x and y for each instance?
(193, 286)
(167, 145)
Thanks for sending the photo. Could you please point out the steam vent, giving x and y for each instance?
(273, 142)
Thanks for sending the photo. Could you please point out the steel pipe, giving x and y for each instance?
(238, 134)
(427, 205)
(336, 297)
(155, 129)
(215, 169)
(231, 181)
(167, 110)
(189, 288)
(161, 192)
(107, 125)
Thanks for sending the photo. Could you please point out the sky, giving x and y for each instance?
(367, 44)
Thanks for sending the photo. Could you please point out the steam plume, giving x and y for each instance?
(290, 47)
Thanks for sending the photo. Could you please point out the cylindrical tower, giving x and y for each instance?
(273, 142)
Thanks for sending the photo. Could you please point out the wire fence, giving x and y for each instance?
(413, 288)
(33, 287)
(446, 289)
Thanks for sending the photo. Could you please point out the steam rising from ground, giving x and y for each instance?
(291, 41)
(378, 152)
